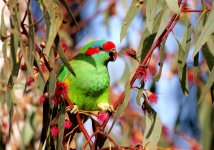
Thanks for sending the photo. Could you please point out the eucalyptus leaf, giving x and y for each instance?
(135, 6)
(208, 55)
(123, 105)
(62, 55)
(173, 6)
(208, 85)
(157, 76)
(51, 85)
(206, 32)
(150, 13)
(139, 96)
(152, 131)
(182, 70)
(53, 20)
(61, 127)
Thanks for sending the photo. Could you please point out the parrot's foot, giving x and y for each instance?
(73, 110)
(105, 107)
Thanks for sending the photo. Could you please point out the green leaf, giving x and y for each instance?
(139, 96)
(208, 55)
(182, 70)
(3, 27)
(206, 32)
(31, 40)
(205, 114)
(61, 127)
(62, 55)
(173, 6)
(152, 131)
(208, 85)
(147, 43)
(157, 76)
(123, 105)
(195, 66)
(186, 39)
(51, 85)
(28, 132)
(53, 20)
(136, 5)
(162, 21)
(150, 13)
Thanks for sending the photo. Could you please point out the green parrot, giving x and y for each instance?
(89, 88)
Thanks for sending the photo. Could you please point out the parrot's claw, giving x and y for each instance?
(74, 110)
(106, 107)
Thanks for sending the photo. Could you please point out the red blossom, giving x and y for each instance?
(43, 67)
(152, 69)
(132, 53)
(64, 46)
(141, 73)
(23, 67)
(54, 131)
(55, 101)
(67, 124)
(153, 98)
(61, 88)
(102, 116)
(42, 99)
(30, 81)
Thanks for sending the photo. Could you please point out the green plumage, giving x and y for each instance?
(90, 86)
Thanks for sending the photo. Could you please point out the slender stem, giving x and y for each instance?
(190, 10)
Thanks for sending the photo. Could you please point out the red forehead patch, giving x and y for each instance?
(109, 46)
(92, 51)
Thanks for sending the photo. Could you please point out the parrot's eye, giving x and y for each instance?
(100, 48)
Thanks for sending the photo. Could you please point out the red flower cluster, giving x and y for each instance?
(61, 90)
(54, 131)
(67, 124)
(153, 98)
(141, 73)
(132, 53)
(30, 81)
(42, 99)
(102, 116)
(64, 46)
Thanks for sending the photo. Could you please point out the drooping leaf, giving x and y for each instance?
(195, 65)
(152, 131)
(162, 21)
(206, 32)
(69, 12)
(53, 20)
(139, 96)
(61, 127)
(147, 43)
(186, 39)
(123, 105)
(132, 12)
(62, 55)
(31, 40)
(157, 76)
(208, 55)
(173, 6)
(28, 131)
(150, 13)
(182, 70)
(3, 27)
(51, 85)
(208, 85)
(206, 124)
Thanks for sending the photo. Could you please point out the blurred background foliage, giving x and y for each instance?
(180, 74)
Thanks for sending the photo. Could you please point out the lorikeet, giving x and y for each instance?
(88, 89)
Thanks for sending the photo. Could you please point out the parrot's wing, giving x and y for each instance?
(63, 73)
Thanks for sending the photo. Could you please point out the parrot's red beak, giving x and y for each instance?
(112, 55)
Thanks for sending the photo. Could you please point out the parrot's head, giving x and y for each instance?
(101, 51)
